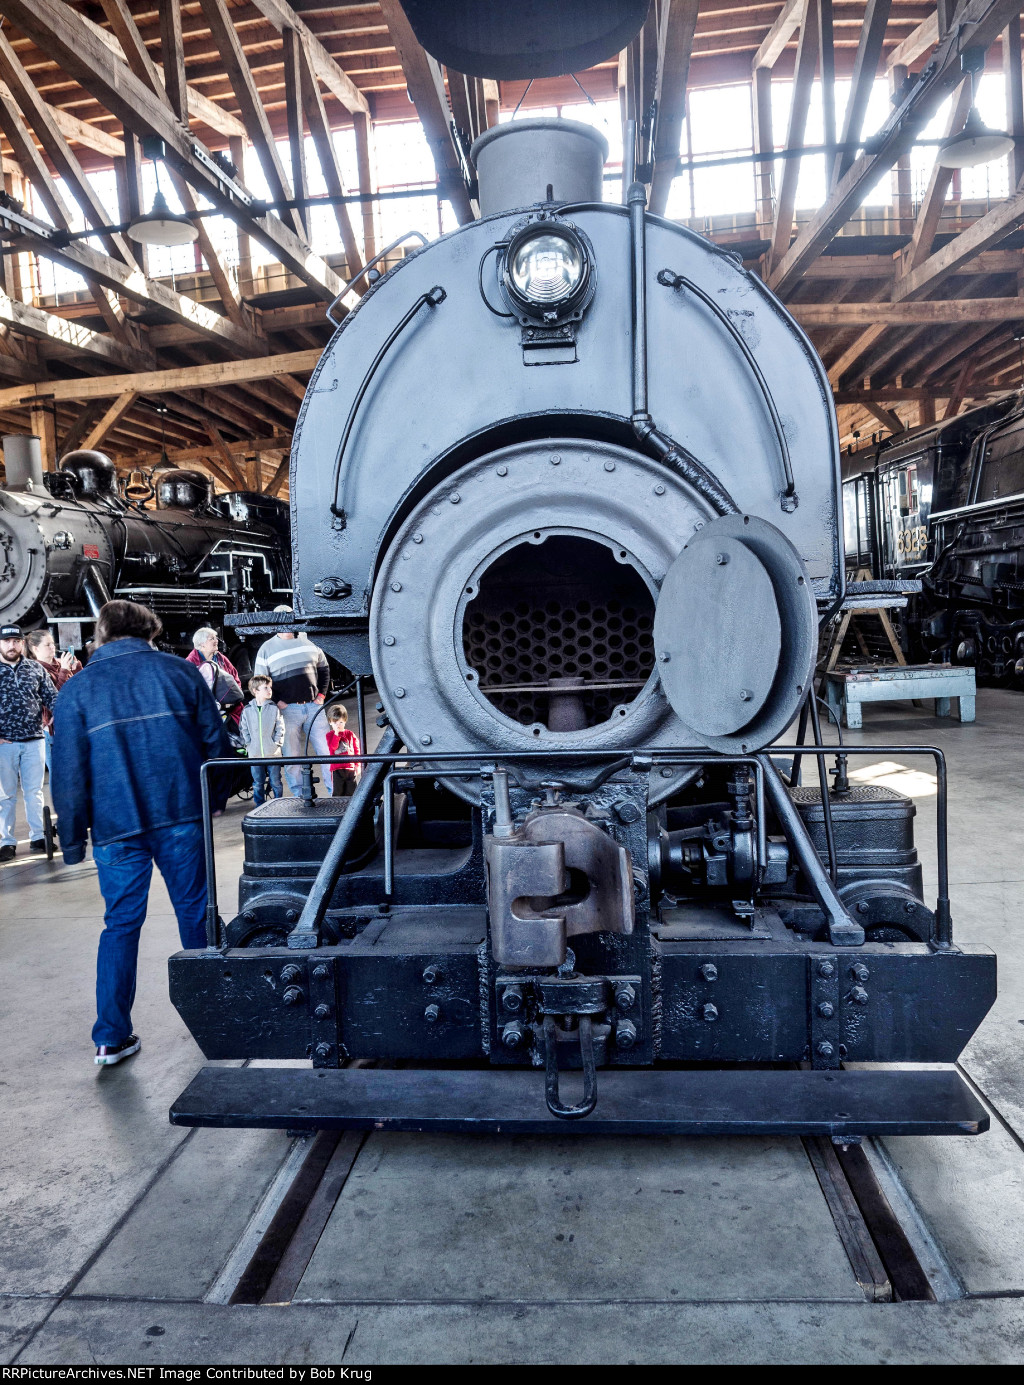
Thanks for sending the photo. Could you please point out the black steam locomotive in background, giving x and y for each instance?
(945, 503)
(69, 541)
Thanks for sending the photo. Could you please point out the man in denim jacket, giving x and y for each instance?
(130, 733)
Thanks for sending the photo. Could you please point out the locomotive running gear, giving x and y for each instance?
(109, 1054)
(298, 668)
(130, 733)
(25, 692)
(24, 761)
(125, 870)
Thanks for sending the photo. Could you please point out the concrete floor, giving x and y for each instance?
(116, 1227)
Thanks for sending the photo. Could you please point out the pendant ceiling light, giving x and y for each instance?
(161, 226)
(976, 143)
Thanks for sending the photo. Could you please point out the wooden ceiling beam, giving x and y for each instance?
(296, 123)
(224, 452)
(917, 43)
(930, 210)
(19, 368)
(138, 59)
(200, 108)
(150, 293)
(888, 417)
(327, 156)
(36, 113)
(62, 34)
(365, 162)
(172, 57)
(90, 136)
(113, 415)
(887, 267)
(426, 90)
(213, 374)
(80, 425)
(71, 336)
(670, 97)
(779, 35)
(979, 22)
(985, 233)
(963, 380)
(34, 169)
(327, 70)
(273, 442)
(254, 116)
(806, 62)
(852, 353)
(279, 477)
(883, 394)
(865, 69)
(908, 314)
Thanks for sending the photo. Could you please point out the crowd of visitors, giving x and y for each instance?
(124, 744)
(130, 731)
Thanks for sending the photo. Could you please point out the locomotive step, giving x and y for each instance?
(934, 1101)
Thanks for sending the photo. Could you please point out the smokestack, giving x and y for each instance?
(23, 460)
(517, 162)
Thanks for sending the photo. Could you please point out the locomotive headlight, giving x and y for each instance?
(547, 269)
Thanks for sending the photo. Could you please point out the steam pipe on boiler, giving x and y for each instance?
(666, 449)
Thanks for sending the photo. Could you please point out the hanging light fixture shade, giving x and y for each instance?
(161, 226)
(975, 144)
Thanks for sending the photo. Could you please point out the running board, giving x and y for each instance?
(930, 1101)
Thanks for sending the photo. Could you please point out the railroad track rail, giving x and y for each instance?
(885, 1241)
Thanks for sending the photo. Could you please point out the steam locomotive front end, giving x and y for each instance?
(566, 484)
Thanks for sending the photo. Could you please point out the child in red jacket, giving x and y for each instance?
(340, 740)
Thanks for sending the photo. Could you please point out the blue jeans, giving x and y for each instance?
(125, 870)
(260, 775)
(21, 761)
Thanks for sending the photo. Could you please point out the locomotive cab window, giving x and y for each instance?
(908, 491)
(1002, 471)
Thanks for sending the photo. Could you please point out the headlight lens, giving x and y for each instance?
(546, 269)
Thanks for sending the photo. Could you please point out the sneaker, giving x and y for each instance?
(7, 853)
(38, 845)
(109, 1054)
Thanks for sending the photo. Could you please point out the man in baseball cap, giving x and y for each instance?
(25, 689)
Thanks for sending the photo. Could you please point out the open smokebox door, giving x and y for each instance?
(736, 634)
